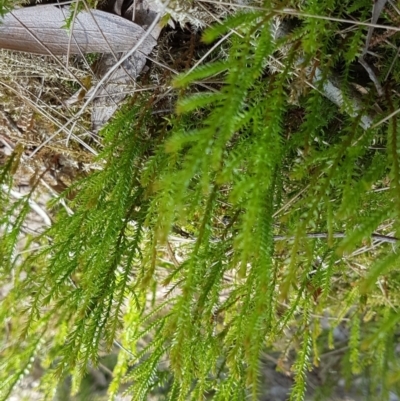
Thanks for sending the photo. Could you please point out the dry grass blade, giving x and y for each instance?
(376, 11)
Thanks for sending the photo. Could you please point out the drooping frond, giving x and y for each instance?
(260, 215)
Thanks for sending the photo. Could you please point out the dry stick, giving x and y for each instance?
(70, 133)
(124, 58)
(134, 10)
(323, 235)
(74, 98)
(108, 43)
(291, 201)
(71, 36)
(365, 249)
(378, 237)
(376, 11)
(394, 7)
(102, 34)
(385, 119)
(110, 72)
(65, 3)
(144, 89)
(122, 33)
(99, 119)
(71, 30)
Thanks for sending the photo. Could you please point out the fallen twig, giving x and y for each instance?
(378, 237)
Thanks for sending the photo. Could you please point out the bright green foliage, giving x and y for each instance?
(226, 174)
(5, 6)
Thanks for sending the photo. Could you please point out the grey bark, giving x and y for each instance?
(41, 30)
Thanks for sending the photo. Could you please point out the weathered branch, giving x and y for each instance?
(377, 237)
(41, 30)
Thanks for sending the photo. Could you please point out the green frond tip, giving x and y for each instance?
(364, 230)
(5, 7)
(196, 101)
(379, 268)
(232, 22)
(205, 71)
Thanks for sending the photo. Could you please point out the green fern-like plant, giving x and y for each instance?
(238, 182)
